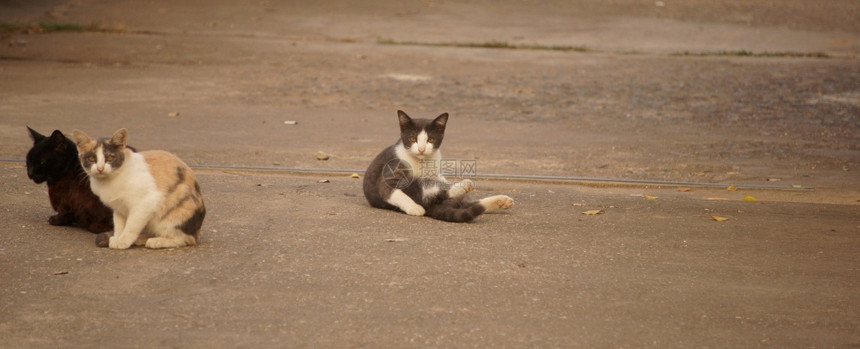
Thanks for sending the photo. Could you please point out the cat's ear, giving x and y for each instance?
(35, 136)
(405, 120)
(58, 140)
(80, 138)
(119, 137)
(440, 121)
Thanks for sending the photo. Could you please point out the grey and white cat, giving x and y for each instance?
(396, 179)
(155, 197)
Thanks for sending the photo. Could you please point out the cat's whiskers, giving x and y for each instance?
(82, 177)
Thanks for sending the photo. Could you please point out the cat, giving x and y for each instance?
(396, 179)
(54, 159)
(155, 196)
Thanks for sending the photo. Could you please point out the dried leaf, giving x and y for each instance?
(732, 188)
(649, 197)
(290, 122)
(323, 181)
(592, 212)
(354, 175)
(685, 189)
(173, 114)
(773, 179)
(323, 156)
(717, 199)
(749, 198)
(397, 240)
(718, 218)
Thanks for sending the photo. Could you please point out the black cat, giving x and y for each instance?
(54, 159)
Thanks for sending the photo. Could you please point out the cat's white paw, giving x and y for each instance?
(498, 202)
(117, 243)
(467, 185)
(461, 188)
(415, 210)
(164, 243)
(505, 202)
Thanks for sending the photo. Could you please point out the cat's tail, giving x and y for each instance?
(457, 211)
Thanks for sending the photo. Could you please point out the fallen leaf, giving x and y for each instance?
(718, 218)
(323, 156)
(61, 273)
(592, 212)
(685, 189)
(173, 114)
(749, 198)
(732, 188)
(772, 179)
(396, 240)
(291, 122)
(649, 197)
(354, 175)
(323, 181)
(718, 199)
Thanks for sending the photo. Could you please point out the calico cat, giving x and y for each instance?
(54, 159)
(397, 178)
(156, 199)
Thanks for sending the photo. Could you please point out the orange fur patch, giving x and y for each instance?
(174, 178)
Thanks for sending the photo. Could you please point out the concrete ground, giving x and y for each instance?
(655, 96)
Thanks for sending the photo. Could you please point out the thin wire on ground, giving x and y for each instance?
(499, 176)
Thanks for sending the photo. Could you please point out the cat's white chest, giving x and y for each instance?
(127, 187)
(426, 168)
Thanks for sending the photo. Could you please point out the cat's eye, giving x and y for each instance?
(430, 140)
(91, 158)
(109, 158)
(412, 139)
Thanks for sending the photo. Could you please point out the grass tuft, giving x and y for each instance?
(494, 44)
(56, 27)
(745, 53)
